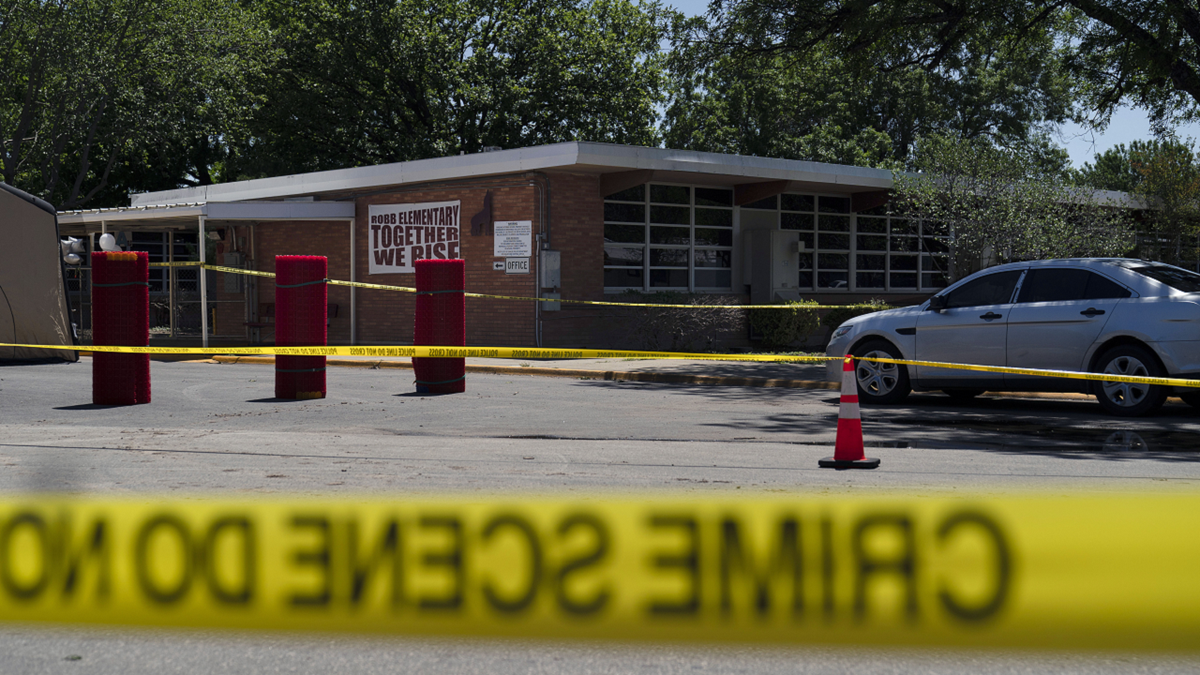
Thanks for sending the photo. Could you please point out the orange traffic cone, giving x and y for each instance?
(848, 450)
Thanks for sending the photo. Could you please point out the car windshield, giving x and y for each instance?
(1175, 277)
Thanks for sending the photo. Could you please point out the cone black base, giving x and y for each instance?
(864, 463)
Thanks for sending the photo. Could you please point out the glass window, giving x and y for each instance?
(1175, 277)
(623, 257)
(671, 215)
(869, 279)
(834, 204)
(713, 258)
(714, 217)
(870, 243)
(713, 197)
(680, 236)
(1063, 285)
(670, 194)
(624, 213)
(1101, 288)
(834, 242)
(629, 277)
(837, 261)
(992, 289)
(668, 278)
(833, 223)
(625, 234)
(795, 221)
(1053, 285)
(797, 203)
(872, 225)
(865, 262)
(707, 237)
(676, 225)
(669, 257)
(827, 279)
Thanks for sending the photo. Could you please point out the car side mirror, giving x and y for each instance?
(937, 303)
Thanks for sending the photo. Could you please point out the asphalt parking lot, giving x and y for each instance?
(216, 428)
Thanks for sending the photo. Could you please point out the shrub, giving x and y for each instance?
(836, 317)
(781, 327)
(683, 328)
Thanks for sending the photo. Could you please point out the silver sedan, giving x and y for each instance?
(1106, 315)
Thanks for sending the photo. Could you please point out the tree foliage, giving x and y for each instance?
(374, 81)
(996, 210)
(102, 97)
(774, 78)
(1165, 175)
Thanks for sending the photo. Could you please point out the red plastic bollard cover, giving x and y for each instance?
(301, 306)
(441, 320)
(120, 318)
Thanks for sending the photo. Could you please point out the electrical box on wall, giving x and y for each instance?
(550, 269)
(770, 263)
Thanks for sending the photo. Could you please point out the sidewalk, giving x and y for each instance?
(675, 371)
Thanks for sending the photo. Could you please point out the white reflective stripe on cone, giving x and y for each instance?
(849, 383)
(849, 411)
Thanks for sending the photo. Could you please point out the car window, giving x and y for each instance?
(1053, 285)
(1100, 288)
(1064, 285)
(993, 289)
(1175, 277)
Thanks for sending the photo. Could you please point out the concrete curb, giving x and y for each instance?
(577, 373)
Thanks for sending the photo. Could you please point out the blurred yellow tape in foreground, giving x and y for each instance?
(1067, 572)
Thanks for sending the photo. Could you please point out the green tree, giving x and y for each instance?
(1165, 175)
(996, 210)
(740, 85)
(1144, 52)
(374, 81)
(102, 97)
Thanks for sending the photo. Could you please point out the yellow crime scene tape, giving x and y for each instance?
(1074, 572)
(407, 289)
(542, 353)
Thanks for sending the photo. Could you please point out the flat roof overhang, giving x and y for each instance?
(676, 166)
(175, 217)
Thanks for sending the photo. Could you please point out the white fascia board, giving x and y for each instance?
(280, 210)
(216, 211)
(741, 166)
(366, 177)
(192, 211)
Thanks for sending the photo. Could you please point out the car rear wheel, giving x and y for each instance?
(1127, 399)
(1191, 398)
(880, 383)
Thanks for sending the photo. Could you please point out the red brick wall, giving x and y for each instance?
(330, 239)
(386, 317)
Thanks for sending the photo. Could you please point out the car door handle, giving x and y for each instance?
(989, 316)
(1092, 311)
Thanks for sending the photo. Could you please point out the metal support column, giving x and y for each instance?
(171, 280)
(353, 278)
(203, 289)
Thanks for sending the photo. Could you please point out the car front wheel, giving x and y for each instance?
(1128, 399)
(880, 383)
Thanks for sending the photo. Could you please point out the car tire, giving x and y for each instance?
(962, 395)
(1192, 398)
(1129, 400)
(880, 383)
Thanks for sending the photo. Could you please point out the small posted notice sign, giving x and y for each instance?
(514, 239)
